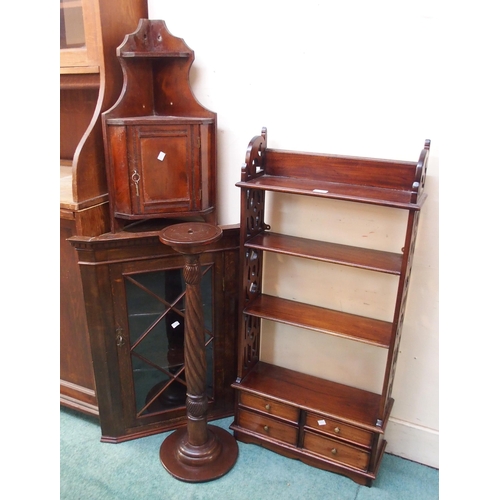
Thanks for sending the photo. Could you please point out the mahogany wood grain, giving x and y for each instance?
(270, 406)
(336, 450)
(337, 429)
(364, 258)
(357, 171)
(269, 427)
(320, 319)
(333, 190)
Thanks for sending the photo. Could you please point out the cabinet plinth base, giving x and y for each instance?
(207, 462)
(362, 477)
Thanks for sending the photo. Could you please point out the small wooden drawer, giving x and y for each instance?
(270, 406)
(338, 429)
(269, 427)
(336, 450)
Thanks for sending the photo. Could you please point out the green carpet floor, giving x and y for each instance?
(91, 470)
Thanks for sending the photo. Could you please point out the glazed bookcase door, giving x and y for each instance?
(150, 341)
(78, 33)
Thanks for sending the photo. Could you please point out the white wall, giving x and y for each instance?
(341, 78)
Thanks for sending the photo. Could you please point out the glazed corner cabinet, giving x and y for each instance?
(135, 302)
(90, 82)
(330, 425)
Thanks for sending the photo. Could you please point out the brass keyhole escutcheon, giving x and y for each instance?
(120, 342)
(336, 430)
(266, 428)
(334, 451)
(268, 407)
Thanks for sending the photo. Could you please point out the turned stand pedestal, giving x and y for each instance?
(199, 452)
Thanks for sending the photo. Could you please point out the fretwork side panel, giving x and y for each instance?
(409, 250)
(252, 223)
(408, 253)
(251, 286)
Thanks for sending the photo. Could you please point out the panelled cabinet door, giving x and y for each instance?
(164, 168)
(159, 165)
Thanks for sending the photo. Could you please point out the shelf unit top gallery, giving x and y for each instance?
(389, 183)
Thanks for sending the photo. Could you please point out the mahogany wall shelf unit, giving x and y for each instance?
(135, 305)
(160, 141)
(326, 424)
(90, 82)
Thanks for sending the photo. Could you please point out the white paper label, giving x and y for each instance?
(322, 191)
(175, 324)
(321, 422)
(161, 156)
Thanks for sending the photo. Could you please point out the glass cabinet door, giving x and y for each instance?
(78, 36)
(155, 304)
(72, 31)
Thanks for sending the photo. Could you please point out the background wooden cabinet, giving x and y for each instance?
(90, 81)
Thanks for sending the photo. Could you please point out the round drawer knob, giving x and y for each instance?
(334, 451)
(336, 430)
(266, 428)
(268, 407)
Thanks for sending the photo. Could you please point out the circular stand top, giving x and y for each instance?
(190, 237)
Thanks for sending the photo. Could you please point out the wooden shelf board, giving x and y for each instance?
(342, 402)
(374, 260)
(153, 55)
(347, 192)
(340, 324)
(151, 119)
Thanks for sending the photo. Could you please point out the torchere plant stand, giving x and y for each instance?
(199, 452)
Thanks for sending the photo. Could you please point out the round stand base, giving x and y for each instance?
(204, 470)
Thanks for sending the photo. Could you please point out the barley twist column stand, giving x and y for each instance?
(199, 452)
